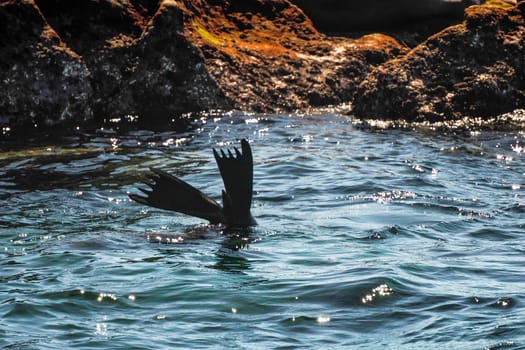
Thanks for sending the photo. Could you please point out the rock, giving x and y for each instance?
(267, 56)
(140, 60)
(91, 60)
(475, 69)
(42, 80)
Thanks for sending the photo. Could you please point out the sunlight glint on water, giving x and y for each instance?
(382, 238)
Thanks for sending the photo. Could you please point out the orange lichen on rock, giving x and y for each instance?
(270, 53)
(243, 35)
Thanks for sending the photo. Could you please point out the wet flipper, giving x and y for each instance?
(171, 193)
(237, 175)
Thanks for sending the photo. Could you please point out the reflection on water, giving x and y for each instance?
(367, 237)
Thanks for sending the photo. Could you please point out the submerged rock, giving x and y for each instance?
(475, 69)
(70, 61)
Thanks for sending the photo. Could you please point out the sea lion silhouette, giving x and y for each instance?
(171, 193)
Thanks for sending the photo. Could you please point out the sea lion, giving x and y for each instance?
(171, 193)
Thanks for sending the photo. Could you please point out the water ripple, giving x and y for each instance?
(382, 238)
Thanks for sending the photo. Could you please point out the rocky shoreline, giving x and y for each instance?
(475, 69)
(68, 63)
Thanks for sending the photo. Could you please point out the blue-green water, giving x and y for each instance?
(389, 238)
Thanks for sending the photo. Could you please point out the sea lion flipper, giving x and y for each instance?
(171, 193)
(237, 175)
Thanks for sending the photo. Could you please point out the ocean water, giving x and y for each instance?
(367, 238)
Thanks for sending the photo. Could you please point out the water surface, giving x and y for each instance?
(366, 238)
